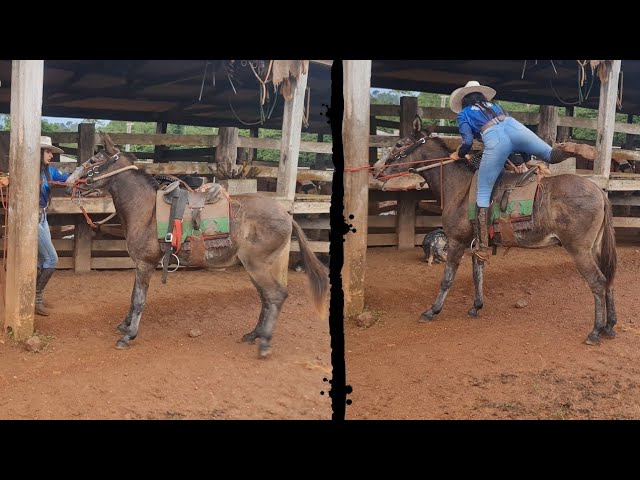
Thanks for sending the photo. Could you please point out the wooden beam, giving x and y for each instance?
(564, 132)
(407, 203)
(355, 138)
(408, 111)
(227, 150)
(158, 150)
(24, 166)
(606, 120)
(548, 126)
(82, 250)
(289, 152)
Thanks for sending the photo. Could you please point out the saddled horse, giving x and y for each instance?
(572, 211)
(259, 233)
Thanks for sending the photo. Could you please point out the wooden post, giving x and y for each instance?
(630, 140)
(227, 149)
(82, 236)
(407, 203)
(355, 138)
(289, 151)
(161, 128)
(22, 229)
(564, 133)
(548, 126)
(254, 132)
(373, 130)
(548, 131)
(606, 121)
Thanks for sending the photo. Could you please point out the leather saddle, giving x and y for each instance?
(512, 201)
(191, 220)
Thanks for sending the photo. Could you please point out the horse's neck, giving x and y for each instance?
(454, 186)
(132, 197)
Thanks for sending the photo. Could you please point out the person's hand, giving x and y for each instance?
(454, 156)
(521, 168)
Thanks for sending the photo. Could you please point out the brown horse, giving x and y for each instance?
(573, 212)
(259, 234)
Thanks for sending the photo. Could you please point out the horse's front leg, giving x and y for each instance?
(454, 255)
(138, 297)
(478, 279)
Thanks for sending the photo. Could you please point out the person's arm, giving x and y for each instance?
(57, 175)
(466, 133)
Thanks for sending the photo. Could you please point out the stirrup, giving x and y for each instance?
(475, 250)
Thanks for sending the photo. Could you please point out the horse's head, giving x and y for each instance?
(414, 147)
(99, 165)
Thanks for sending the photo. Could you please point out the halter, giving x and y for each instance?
(97, 164)
(402, 152)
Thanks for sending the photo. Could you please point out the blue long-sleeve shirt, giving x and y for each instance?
(470, 120)
(45, 190)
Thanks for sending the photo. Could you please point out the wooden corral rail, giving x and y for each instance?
(112, 253)
(614, 182)
(405, 223)
(190, 140)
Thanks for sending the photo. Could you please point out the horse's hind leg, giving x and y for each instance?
(587, 266)
(138, 298)
(124, 326)
(253, 334)
(454, 254)
(611, 315)
(478, 279)
(272, 296)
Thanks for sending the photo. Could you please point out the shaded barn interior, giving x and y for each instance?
(184, 92)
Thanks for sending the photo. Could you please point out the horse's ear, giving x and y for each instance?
(417, 125)
(107, 142)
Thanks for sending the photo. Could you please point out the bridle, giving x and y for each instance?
(402, 152)
(92, 171)
(97, 164)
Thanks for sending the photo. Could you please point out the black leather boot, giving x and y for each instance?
(562, 151)
(481, 229)
(44, 276)
(558, 155)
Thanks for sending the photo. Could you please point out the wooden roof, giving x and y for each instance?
(189, 92)
(526, 81)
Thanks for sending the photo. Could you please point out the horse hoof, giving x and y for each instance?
(122, 345)
(608, 333)
(249, 338)
(592, 340)
(264, 352)
(426, 316)
(473, 312)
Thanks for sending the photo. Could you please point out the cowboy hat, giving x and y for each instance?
(45, 142)
(471, 86)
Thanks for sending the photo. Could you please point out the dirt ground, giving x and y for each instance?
(167, 374)
(509, 363)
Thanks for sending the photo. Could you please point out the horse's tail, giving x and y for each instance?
(608, 255)
(316, 272)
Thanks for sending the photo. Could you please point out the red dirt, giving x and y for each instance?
(166, 374)
(509, 363)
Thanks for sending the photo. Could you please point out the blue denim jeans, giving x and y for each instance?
(47, 255)
(500, 141)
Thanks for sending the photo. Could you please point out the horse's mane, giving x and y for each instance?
(148, 179)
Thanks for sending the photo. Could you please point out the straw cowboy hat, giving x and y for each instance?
(45, 142)
(471, 86)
